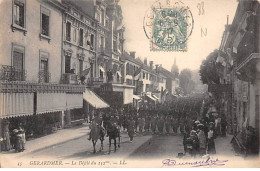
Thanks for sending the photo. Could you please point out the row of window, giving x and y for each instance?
(71, 70)
(89, 40)
(18, 63)
(19, 17)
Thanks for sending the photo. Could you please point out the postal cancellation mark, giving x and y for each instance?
(168, 24)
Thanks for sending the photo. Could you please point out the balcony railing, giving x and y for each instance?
(44, 77)
(95, 81)
(69, 78)
(9, 73)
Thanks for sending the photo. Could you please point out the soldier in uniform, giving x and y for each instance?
(153, 123)
(167, 124)
(147, 123)
(160, 124)
(131, 128)
(141, 123)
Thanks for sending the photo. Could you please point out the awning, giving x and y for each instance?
(16, 104)
(130, 77)
(51, 102)
(121, 26)
(119, 74)
(101, 69)
(155, 97)
(74, 101)
(94, 100)
(150, 97)
(136, 97)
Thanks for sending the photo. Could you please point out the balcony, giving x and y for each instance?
(69, 78)
(9, 73)
(95, 81)
(115, 55)
(247, 69)
(44, 77)
(29, 87)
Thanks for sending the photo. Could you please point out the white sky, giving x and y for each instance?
(214, 20)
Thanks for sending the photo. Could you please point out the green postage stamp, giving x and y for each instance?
(170, 25)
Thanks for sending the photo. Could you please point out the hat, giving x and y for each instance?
(211, 123)
(197, 122)
(193, 132)
(200, 126)
(15, 130)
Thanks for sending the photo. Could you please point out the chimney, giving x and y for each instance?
(145, 61)
(151, 64)
(132, 53)
(157, 68)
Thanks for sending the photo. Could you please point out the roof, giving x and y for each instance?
(166, 73)
(147, 68)
(126, 56)
(86, 7)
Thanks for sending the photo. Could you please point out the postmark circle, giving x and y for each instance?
(168, 24)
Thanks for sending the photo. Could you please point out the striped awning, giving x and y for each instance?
(102, 69)
(74, 101)
(155, 97)
(136, 97)
(50, 102)
(16, 104)
(94, 100)
(150, 97)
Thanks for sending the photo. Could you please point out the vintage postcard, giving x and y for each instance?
(129, 83)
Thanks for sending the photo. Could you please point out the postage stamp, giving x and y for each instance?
(170, 24)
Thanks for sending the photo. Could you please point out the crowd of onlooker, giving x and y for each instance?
(14, 139)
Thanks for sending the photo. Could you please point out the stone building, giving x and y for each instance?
(31, 73)
(240, 60)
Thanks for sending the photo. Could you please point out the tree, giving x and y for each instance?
(208, 69)
(186, 82)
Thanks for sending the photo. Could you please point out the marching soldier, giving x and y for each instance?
(167, 124)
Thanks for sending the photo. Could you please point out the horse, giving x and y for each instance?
(97, 133)
(113, 132)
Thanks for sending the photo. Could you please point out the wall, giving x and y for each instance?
(169, 85)
(145, 80)
(162, 85)
(31, 41)
(127, 92)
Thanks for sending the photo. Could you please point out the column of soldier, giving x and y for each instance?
(180, 116)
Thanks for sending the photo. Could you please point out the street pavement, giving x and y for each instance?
(73, 145)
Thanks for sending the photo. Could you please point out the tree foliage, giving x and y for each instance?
(208, 69)
(186, 82)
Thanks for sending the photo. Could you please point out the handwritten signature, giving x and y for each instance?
(198, 163)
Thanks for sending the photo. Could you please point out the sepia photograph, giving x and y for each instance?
(129, 83)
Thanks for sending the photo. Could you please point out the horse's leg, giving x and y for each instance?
(119, 140)
(102, 144)
(101, 147)
(115, 144)
(94, 145)
(109, 145)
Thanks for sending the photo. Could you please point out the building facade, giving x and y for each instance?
(32, 93)
(239, 61)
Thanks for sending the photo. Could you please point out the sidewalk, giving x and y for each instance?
(59, 137)
(224, 147)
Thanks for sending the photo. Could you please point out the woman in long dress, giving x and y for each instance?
(6, 138)
(211, 136)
